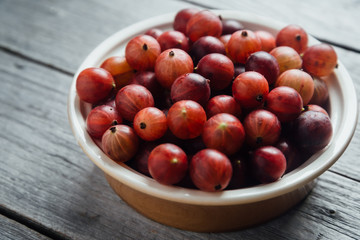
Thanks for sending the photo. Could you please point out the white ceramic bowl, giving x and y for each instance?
(227, 210)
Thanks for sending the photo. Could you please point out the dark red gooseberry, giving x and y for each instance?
(171, 64)
(267, 40)
(239, 68)
(287, 58)
(230, 26)
(316, 108)
(224, 132)
(264, 63)
(319, 60)
(241, 176)
(186, 119)
(148, 80)
(154, 32)
(268, 164)
(293, 36)
(218, 68)
(293, 157)
(206, 45)
(210, 170)
(262, 128)
(241, 44)
(94, 84)
(223, 104)
(191, 86)
(167, 164)
(182, 17)
(120, 143)
(173, 39)
(131, 99)
(150, 123)
(312, 131)
(100, 119)
(299, 80)
(142, 156)
(203, 23)
(141, 52)
(285, 102)
(250, 89)
(321, 92)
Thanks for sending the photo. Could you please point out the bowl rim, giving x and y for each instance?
(291, 181)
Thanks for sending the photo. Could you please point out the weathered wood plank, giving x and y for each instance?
(48, 179)
(330, 20)
(78, 26)
(46, 176)
(348, 162)
(12, 230)
(62, 33)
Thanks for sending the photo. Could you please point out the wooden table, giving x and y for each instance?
(48, 186)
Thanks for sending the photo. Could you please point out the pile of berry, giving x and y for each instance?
(210, 104)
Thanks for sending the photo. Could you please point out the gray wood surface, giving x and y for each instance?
(330, 20)
(47, 182)
(11, 229)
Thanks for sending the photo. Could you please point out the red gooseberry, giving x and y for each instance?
(94, 84)
(186, 119)
(218, 68)
(206, 45)
(299, 80)
(293, 36)
(167, 164)
(264, 63)
(285, 102)
(268, 164)
(141, 52)
(223, 104)
(210, 170)
(319, 60)
(150, 123)
(203, 23)
(321, 92)
(131, 99)
(312, 131)
(267, 40)
(262, 128)
(224, 132)
(241, 44)
(191, 86)
(250, 89)
(120, 143)
(173, 39)
(171, 64)
(100, 119)
(182, 17)
(287, 58)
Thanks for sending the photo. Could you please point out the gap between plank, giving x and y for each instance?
(46, 231)
(18, 54)
(356, 50)
(345, 176)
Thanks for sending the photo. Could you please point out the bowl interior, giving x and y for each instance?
(343, 105)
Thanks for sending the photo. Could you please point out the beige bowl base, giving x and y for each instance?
(205, 218)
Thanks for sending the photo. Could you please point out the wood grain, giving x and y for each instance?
(62, 34)
(46, 178)
(10, 229)
(328, 20)
(348, 164)
(47, 172)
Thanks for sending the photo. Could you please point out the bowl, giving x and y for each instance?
(196, 210)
